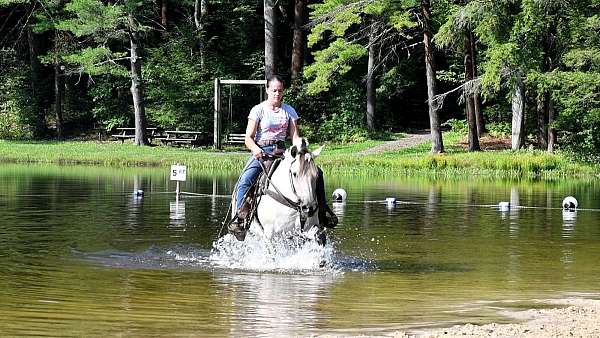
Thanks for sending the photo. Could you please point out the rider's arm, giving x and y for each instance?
(249, 138)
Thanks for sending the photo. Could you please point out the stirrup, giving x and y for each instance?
(237, 228)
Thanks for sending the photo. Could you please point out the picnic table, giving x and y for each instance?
(127, 133)
(235, 138)
(179, 137)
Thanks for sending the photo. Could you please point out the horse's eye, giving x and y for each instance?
(294, 174)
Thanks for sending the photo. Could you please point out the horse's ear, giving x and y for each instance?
(300, 143)
(317, 152)
(294, 151)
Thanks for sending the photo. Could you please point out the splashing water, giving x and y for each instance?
(254, 254)
(257, 254)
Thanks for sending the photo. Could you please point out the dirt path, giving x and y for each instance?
(410, 140)
(572, 318)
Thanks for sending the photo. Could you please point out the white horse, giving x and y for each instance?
(288, 207)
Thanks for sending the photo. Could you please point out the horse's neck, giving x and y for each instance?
(280, 179)
(303, 188)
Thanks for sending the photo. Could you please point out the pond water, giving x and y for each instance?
(82, 256)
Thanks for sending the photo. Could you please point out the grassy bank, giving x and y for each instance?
(116, 154)
(336, 159)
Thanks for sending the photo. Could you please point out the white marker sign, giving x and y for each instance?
(178, 172)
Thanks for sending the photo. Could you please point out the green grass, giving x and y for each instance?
(116, 154)
(333, 149)
(342, 159)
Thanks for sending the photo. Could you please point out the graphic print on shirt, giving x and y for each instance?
(273, 125)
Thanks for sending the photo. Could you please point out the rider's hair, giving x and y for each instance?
(274, 77)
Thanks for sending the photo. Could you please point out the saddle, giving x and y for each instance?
(261, 184)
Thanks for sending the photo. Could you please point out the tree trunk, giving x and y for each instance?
(551, 130)
(58, 94)
(299, 41)
(270, 17)
(478, 111)
(370, 86)
(137, 88)
(437, 144)
(164, 7)
(469, 96)
(542, 126)
(200, 12)
(36, 118)
(518, 112)
(549, 107)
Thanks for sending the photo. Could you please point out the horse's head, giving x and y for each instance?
(301, 148)
(303, 171)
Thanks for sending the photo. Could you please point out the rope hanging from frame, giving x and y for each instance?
(230, 108)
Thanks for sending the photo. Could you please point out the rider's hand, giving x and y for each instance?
(257, 153)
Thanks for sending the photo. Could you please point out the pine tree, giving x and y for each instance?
(104, 25)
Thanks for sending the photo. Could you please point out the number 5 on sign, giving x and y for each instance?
(178, 172)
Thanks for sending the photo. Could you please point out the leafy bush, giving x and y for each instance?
(577, 101)
(112, 101)
(499, 129)
(498, 112)
(14, 99)
(458, 126)
(177, 93)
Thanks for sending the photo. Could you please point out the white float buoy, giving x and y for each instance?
(504, 206)
(339, 195)
(391, 202)
(569, 203)
(138, 193)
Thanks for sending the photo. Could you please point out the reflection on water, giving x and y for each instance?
(274, 305)
(339, 209)
(177, 214)
(81, 255)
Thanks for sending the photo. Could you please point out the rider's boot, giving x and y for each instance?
(237, 226)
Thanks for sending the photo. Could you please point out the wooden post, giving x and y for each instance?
(217, 116)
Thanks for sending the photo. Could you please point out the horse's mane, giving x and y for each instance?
(307, 167)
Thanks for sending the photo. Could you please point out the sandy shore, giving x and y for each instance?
(572, 317)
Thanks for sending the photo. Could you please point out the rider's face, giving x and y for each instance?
(275, 93)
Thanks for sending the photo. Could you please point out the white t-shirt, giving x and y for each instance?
(272, 124)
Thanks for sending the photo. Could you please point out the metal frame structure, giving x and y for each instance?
(217, 115)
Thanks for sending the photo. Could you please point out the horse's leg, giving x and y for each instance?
(258, 230)
(321, 236)
(327, 218)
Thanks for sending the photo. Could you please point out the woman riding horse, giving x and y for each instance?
(269, 124)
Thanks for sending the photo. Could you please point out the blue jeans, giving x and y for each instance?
(248, 176)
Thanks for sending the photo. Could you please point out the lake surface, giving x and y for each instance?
(80, 255)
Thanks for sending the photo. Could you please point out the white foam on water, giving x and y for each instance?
(258, 254)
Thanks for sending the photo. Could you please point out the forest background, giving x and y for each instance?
(528, 70)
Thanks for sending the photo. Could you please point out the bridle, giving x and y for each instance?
(304, 211)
